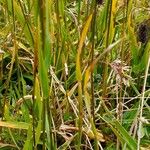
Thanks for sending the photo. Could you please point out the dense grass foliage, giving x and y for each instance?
(74, 74)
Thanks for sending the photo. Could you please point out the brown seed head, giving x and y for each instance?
(99, 2)
(143, 32)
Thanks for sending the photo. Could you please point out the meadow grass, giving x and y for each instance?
(73, 75)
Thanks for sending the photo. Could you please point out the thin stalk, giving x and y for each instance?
(142, 104)
(33, 115)
(105, 72)
(27, 23)
(79, 7)
(80, 108)
(24, 11)
(92, 79)
(44, 63)
(13, 139)
(43, 22)
(58, 37)
(120, 100)
(14, 56)
(92, 58)
(44, 122)
(35, 71)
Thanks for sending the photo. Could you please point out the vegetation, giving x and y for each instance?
(74, 74)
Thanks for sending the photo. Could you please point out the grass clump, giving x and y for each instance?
(74, 74)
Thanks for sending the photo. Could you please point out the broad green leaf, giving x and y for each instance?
(120, 131)
(29, 141)
(128, 139)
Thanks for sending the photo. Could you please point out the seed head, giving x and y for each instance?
(99, 2)
(143, 32)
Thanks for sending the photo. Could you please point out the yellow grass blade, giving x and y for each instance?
(81, 42)
(14, 125)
